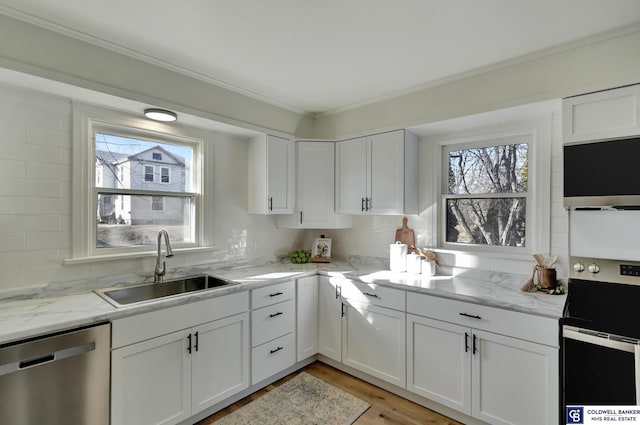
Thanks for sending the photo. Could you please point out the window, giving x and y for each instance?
(164, 175)
(148, 173)
(486, 193)
(122, 212)
(157, 203)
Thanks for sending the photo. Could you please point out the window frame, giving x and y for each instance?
(90, 119)
(538, 186)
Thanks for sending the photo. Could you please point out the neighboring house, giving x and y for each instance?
(154, 169)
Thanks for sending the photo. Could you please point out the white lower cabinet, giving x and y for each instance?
(168, 378)
(499, 379)
(329, 318)
(373, 341)
(273, 319)
(306, 317)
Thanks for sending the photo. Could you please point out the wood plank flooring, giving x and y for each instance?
(386, 408)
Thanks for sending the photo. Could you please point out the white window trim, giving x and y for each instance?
(85, 119)
(153, 174)
(168, 175)
(539, 188)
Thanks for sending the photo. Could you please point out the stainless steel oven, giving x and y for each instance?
(601, 333)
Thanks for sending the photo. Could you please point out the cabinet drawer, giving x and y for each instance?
(370, 293)
(544, 330)
(129, 330)
(272, 357)
(272, 294)
(270, 322)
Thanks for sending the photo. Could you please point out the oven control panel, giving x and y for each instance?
(629, 270)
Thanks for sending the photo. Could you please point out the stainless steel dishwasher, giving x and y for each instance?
(57, 379)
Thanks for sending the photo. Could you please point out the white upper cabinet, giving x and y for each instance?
(315, 207)
(377, 174)
(602, 115)
(271, 175)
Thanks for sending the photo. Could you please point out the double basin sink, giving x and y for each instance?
(120, 297)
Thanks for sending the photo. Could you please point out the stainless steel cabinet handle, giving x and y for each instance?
(276, 350)
(17, 365)
(473, 316)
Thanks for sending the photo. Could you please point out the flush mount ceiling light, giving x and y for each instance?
(157, 114)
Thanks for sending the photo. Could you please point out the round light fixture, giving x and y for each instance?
(160, 115)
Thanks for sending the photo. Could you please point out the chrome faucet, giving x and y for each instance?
(161, 269)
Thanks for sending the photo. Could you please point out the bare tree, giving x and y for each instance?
(479, 173)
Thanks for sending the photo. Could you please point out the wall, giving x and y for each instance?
(596, 64)
(35, 200)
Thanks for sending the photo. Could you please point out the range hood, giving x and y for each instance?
(602, 174)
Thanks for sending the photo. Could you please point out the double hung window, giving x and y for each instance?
(486, 193)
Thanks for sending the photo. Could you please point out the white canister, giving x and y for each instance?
(414, 263)
(428, 268)
(398, 257)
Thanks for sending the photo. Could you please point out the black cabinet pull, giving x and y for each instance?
(466, 342)
(275, 294)
(270, 203)
(362, 205)
(342, 309)
(473, 316)
(475, 347)
(276, 350)
(370, 295)
(189, 346)
(196, 344)
(276, 314)
(300, 217)
(368, 204)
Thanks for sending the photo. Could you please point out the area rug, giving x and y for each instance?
(303, 400)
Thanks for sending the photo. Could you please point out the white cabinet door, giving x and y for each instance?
(373, 341)
(351, 176)
(330, 319)
(220, 360)
(271, 175)
(439, 361)
(386, 191)
(515, 382)
(602, 115)
(315, 189)
(307, 317)
(151, 381)
(378, 174)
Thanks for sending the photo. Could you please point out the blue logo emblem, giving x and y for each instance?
(575, 415)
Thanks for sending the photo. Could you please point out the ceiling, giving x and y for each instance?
(327, 55)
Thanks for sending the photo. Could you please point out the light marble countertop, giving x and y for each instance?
(62, 307)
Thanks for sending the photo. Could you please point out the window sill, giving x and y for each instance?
(131, 256)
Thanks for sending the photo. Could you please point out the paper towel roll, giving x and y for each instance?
(398, 257)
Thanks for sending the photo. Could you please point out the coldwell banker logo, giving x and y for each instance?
(575, 415)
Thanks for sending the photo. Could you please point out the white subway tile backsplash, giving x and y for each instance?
(12, 242)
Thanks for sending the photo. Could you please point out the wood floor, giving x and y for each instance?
(386, 408)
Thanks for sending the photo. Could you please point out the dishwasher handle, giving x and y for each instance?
(55, 356)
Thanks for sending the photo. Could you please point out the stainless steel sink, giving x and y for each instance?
(154, 291)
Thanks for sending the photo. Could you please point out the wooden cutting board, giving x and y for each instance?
(406, 235)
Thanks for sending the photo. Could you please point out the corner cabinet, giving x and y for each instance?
(496, 365)
(306, 317)
(168, 365)
(377, 174)
(602, 115)
(315, 204)
(271, 175)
